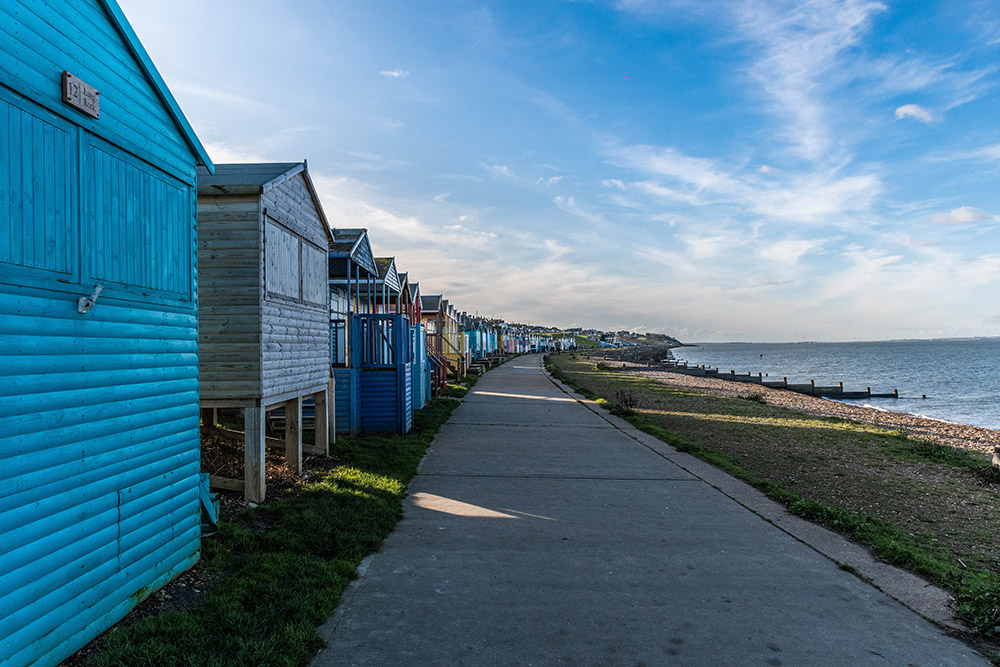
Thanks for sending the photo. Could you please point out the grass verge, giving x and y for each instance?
(924, 507)
(279, 569)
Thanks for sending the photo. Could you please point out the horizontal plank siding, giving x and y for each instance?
(229, 297)
(347, 400)
(379, 400)
(291, 204)
(99, 461)
(295, 348)
(408, 406)
(100, 446)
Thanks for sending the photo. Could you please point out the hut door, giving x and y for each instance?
(354, 341)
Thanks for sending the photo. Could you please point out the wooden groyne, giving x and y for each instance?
(810, 389)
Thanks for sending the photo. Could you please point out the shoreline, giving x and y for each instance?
(960, 436)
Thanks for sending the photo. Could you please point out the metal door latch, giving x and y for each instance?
(85, 303)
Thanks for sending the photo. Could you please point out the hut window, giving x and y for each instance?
(294, 268)
(281, 271)
(338, 301)
(314, 269)
(338, 343)
(37, 191)
(133, 217)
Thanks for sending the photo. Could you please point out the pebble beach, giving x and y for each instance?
(945, 433)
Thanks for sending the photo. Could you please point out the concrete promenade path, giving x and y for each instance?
(540, 531)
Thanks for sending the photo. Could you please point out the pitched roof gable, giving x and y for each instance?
(139, 52)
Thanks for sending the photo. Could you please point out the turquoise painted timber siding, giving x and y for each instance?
(347, 399)
(379, 400)
(407, 394)
(419, 374)
(99, 457)
(386, 376)
(99, 426)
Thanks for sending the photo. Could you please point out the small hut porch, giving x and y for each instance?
(386, 356)
(352, 276)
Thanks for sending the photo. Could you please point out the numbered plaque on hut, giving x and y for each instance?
(80, 95)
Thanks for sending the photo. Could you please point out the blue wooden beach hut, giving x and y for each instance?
(351, 280)
(418, 334)
(386, 356)
(100, 486)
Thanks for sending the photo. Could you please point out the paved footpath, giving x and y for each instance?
(539, 532)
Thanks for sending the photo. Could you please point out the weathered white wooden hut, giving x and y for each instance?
(264, 333)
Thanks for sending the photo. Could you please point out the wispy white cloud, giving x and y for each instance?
(373, 162)
(552, 180)
(820, 196)
(613, 183)
(789, 252)
(988, 153)
(501, 170)
(801, 48)
(960, 215)
(916, 112)
(223, 153)
(218, 94)
(905, 73)
(569, 205)
(394, 73)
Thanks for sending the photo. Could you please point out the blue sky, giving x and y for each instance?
(731, 170)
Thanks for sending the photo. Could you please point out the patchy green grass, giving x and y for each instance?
(922, 506)
(280, 568)
(460, 389)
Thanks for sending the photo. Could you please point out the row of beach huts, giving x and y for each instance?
(142, 289)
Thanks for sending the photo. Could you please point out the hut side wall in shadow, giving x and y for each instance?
(229, 308)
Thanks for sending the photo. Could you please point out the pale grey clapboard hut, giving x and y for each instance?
(264, 323)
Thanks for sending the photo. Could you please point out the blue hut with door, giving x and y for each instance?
(351, 282)
(418, 335)
(386, 356)
(101, 494)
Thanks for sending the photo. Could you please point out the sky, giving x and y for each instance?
(730, 170)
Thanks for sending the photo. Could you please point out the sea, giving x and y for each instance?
(953, 380)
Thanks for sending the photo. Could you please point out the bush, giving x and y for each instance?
(979, 602)
(627, 401)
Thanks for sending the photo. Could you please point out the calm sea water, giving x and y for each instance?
(961, 378)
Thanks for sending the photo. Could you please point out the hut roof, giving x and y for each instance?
(249, 174)
(137, 49)
(430, 302)
(406, 297)
(387, 272)
(257, 178)
(350, 244)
